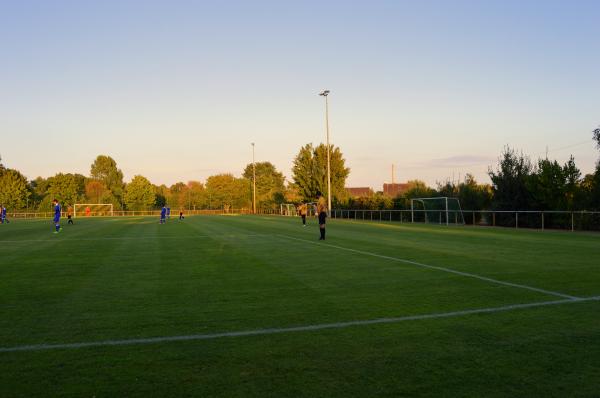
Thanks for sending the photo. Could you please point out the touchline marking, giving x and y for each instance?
(444, 269)
(305, 328)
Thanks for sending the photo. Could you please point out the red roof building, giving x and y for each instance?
(393, 190)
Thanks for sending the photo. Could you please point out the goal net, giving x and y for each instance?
(440, 210)
(92, 209)
(288, 209)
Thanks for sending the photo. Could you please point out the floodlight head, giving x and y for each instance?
(324, 93)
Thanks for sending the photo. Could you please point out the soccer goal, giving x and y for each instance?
(288, 209)
(440, 210)
(92, 209)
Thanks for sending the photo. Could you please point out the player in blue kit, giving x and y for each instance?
(163, 215)
(56, 216)
(3, 219)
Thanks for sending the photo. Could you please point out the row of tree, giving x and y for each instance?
(105, 184)
(517, 183)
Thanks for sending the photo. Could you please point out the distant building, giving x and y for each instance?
(395, 189)
(359, 192)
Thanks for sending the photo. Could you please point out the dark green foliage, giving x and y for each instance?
(139, 194)
(270, 186)
(309, 172)
(105, 169)
(14, 191)
(510, 181)
(228, 192)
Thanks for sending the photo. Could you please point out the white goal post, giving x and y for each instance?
(439, 210)
(288, 209)
(92, 209)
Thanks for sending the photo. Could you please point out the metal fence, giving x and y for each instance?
(556, 220)
(542, 220)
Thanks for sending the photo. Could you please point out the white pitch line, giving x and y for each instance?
(305, 328)
(444, 269)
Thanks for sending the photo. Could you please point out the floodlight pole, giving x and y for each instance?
(253, 182)
(325, 93)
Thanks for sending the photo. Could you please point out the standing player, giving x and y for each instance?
(56, 216)
(181, 217)
(322, 213)
(303, 210)
(169, 213)
(70, 214)
(3, 219)
(163, 215)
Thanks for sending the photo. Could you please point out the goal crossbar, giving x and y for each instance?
(445, 209)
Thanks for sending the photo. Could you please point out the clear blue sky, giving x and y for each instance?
(177, 90)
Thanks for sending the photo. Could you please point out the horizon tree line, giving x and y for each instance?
(517, 183)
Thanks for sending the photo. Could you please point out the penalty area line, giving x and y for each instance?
(305, 328)
(438, 268)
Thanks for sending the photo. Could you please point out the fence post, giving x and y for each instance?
(516, 219)
(572, 222)
(542, 221)
(493, 219)
(390, 216)
(473, 218)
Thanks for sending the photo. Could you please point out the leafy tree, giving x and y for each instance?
(161, 194)
(572, 176)
(418, 189)
(589, 194)
(178, 195)
(597, 136)
(105, 169)
(310, 171)
(376, 201)
(292, 193)
(510, 181)
(448, 189)
(226, 191)
(38, 189)
(97, 192)
(474, 196)
(198, 195)
(14, 190)
(270, 186)
(139, 194)
(303, 173)
(547, 186)
(67, 188)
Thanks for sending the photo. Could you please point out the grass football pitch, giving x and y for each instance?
(250, 306)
